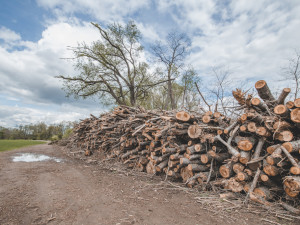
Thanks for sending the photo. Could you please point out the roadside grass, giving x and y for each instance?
(6, 145)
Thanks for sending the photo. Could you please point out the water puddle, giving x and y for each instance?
(30, 157)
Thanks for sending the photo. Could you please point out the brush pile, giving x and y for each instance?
(256, 153)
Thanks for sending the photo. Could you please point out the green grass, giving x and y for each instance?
(13, 144)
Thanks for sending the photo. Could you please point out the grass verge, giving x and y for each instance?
(6, 145)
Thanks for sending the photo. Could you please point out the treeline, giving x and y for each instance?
(39, 131)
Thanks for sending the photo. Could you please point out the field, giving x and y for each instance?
(13, 144)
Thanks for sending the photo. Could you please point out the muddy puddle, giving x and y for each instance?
(30, 157)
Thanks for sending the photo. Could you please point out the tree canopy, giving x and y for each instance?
(111, 67)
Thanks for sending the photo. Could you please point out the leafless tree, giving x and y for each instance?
(111, 67)
(292, 72)
(172, 54)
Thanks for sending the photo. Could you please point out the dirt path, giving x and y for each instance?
(74, 192)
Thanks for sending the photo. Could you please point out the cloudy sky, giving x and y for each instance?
(252, 38)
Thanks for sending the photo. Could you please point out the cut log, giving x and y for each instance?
(285, 92)
(285, 136)
(296, 167)
(231, 150)
(185, 161)
(243, 128)
(150, 168)
(282, 110)
(162, 165)
(226, 170)
(238, 167)
(230, 127)
(271, 170)
(205, 158)
(194, 131)
(263, 131)
(251, 127)
(257, 103)
(233, 185)
(206, 119)
(264, 192)
(264, 92)
(290, 104)
(197, 168)
(199, 148)
(292, 185)
(193, 157)
(245, 143)
(282, 125)
(186, 174)
(183, 116)
(292, 146)
(295, 116)
(219, 157)
(241, 176)
(272, 148)
(297, 103)
(245, 157)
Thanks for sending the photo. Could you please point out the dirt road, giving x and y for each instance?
(76, 192)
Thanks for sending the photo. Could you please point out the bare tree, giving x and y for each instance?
(292, 72)
(172, 55)
(111, 67)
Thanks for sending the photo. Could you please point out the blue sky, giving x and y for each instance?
(253, 39)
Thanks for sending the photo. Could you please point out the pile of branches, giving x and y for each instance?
(256, 153)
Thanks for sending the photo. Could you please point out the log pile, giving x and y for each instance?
(256, 153)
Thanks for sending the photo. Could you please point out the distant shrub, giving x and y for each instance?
(54, 138)
(67, 133)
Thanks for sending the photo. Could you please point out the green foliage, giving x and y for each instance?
(54, 138)
(67, 133)
(39, 131)
(13, 144)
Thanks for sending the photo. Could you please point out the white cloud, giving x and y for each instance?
(12, 116)
(8, 35)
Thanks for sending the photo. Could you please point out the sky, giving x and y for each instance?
(253, 39)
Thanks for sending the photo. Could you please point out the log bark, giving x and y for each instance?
(285, 92)
(264, 192)
(292, 146)
(264, 92)
(197, 168)
(219, 157)
(290, 105)
(295, 116)
(231, 150)
(245, 157)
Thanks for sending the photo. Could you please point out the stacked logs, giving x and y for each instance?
(256, 153)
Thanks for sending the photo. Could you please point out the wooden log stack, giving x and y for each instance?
(256, 153)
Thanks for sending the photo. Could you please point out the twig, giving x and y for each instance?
(270, 221)
(202, 97)
(253, 185)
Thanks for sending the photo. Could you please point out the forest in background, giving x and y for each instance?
(39, 131)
